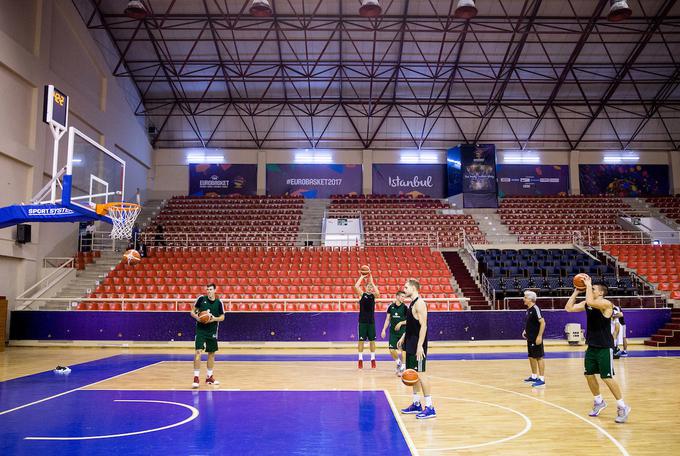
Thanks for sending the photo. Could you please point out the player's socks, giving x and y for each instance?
(598, 399)
(620, 403)
(428, 401)
(197, 373)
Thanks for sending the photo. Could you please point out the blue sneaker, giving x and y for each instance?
(427, 413)
(530, 379)
(538, 383)
(412, 409)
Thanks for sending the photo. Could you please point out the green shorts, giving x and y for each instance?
(366, 331)
(599, 361)
(205, 341)
(412, 363)
(394, 338)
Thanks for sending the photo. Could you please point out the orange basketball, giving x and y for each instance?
(365, 270)
(132, 257)
(204, 317)
(409, 377)
(578, 281)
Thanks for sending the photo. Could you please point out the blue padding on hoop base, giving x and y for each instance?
(13, 215)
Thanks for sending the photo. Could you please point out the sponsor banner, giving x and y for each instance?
(313, 181)
(479, 175)
(222, 179)
(413, 180)
(625, 181)
(532, 180)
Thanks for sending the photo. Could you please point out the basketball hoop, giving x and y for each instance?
(123, 216)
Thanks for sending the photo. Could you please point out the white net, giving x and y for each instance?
(123, 216)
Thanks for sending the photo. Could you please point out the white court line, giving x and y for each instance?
(75, 389)
(527, 425)
(588, 422)
(194, 415)
(402, 426)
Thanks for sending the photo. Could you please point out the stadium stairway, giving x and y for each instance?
(85, 280)
(150, 209)
(467, 284)
(491, 225)
(669, 335)
(312, 219)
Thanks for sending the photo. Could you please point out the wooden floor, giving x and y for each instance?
(483, 407)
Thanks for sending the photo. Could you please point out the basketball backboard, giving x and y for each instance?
(94, 175)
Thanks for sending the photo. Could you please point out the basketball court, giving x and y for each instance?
(317, 402)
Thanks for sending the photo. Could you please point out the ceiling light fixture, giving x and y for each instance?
(618, 11)
(370, 8)
(261, 8)
(466, 9)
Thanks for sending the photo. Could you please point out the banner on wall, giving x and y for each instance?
(479, 175)
(625, 181)
(313, 181)
(222, 179)
(532, 180)
(413, 180)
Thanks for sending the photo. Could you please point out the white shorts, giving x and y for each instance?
(619, 339)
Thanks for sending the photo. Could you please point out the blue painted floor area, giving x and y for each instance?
(24, 390)
(229, 423)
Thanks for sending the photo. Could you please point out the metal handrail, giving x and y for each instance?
(231, 301)
(614, 299)
(70, 264)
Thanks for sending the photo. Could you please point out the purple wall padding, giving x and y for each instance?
(274, 326)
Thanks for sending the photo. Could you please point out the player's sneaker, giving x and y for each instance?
(623, 353)
(427, 413)
(597, 408)
(211, 381)
(361, 364)
(373, 365)
(412, 409)
(195, 384)
(622, 414)
(538, 383)
(400, 370)
(530, 379)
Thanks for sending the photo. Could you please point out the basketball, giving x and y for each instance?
(578, 281)
(409, 377)
(204, 317)
(132, 257)
(365, 270)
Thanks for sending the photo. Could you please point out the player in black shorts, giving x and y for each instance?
(366, 327)
(396, 321)
(599, 354)
(414, 343)
(533, 333)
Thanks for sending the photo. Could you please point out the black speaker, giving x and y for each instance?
(23, 233)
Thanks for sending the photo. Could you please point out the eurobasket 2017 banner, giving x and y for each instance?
(479, 175)
(313, 181)
(413, 180)
(222, 179)
(532, 180)
(624, 180)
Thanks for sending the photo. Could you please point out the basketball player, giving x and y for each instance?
(396, 320)
(206, 333)
(366, 317)
(533, 333)
(600, 346)
(414, 342)
(621, 340)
